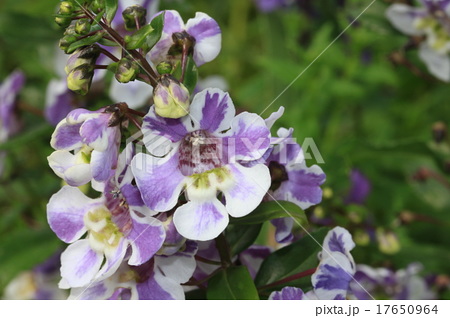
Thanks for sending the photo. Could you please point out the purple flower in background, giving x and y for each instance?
(157, 279)
(40, 283)
(271, 5)
(202, 158)
(404, 284)
(117, 221)
(334, 273)
(8, 95)
(203, 32)
(93, 137)
(359, 189)
(253, 257)
(432, 22)
(59, 101)
(292, 180)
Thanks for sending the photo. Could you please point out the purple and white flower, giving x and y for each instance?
(203, 158)
(117, 224)
(158, 279)
(404, 284)
(87, 146)
(205, 32)
(334, 273)
(431, 21)
(292, 180)
(360, 188)
(9, 89)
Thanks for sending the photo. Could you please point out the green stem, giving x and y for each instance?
(289, 279)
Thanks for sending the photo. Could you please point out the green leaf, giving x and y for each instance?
(190, 75)
(111, 8)
(292, 259)
(240, 237)
(157, 24)
(31, 135)
(233, 283)
(138, 38)
(85, 41)
(270, 210)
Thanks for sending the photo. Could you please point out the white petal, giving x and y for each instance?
(403, 17)
(437, 64)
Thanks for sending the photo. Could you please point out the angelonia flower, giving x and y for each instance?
(203, 157)
(40, 283)
(334, 273)
(115, 223)
(292, 180)
(271, 5)
(432, 21)
(87, 145)
(385, 283)
(359, 189)
(201, 34)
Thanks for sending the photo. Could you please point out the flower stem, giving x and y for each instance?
(289, 279)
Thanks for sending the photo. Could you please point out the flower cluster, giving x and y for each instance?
(143, 213)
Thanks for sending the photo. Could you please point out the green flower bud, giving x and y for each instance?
(132, 14)
(63, 22)
(83, 56)
(164, 68)
(66, 41)
(171, 98)
(127, 70)
(82, 26)
(66, 7)
(98, 5)
(80, 78)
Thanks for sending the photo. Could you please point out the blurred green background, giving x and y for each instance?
(361, 110)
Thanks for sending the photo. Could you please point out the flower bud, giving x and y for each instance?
(79, 79)
(66, 7)
(97, 5)
(127, 71)
(164, 68)
(86, 55)
(63, 21)
(82, 26)
(171, 98)
(132, 14)
(66, 41)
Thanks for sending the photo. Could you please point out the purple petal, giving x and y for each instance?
(253, 257)
(159, 180)
(249, 138)
(96, 133)
(66, 136)
(146, 238)
(288, 293)
(212, 110)
(360, 188)
(201, 221)
(65, 213)
(59, 101)
(152, 290)
(283, 228)
(208, 37)
(79, 264)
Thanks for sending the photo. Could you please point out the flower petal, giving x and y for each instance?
(201, 221)
(66, 136)
(79, 264)
(403, 17)
(65, 166)
(283, 228)
(136, 94)
(159, 180)
(146, 238)
(438, 64)
(212, 110)
(249, 138)
(58, 101)
(96, 132)
(288, 293)
(248, 189)
(65, 213)
(208, 37)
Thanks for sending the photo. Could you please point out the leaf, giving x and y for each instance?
(270, 210)
(85, 41)
(190, 75)
(232, 283)
(292, 259)
(111, 8)
(32, 134)
(158, 25)
(240, 237)
(138, 38)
